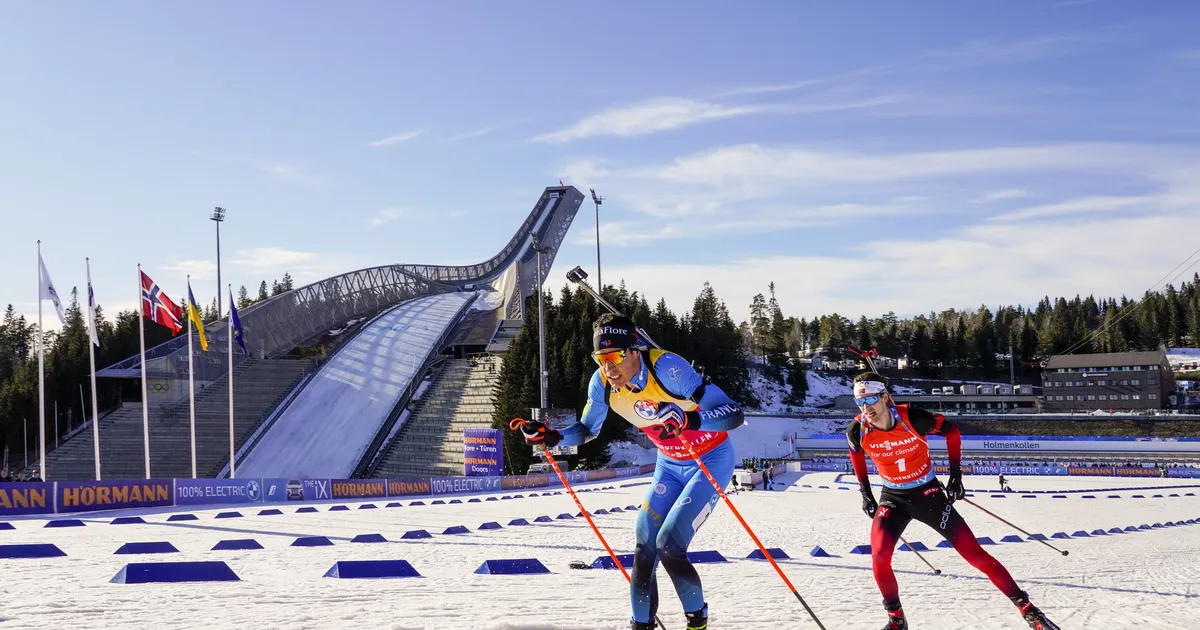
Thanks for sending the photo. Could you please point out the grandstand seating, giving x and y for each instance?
(430, 442)
(259, 386)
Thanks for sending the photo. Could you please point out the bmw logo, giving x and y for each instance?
(252, 490)
(646, 408)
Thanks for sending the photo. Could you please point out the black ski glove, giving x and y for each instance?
(538, 434)
(869, 505)
(954, 488)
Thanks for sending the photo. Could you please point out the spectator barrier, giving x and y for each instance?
(65, 497)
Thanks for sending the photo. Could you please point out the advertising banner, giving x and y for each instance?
(483, 453)
(518, 482)
(1125, 471)
(631, 471)
(1019, 470)
(408, 487)
(26, 498)
(359, 488)
(1025, 444)
(602, 474)
(217, 491)
(450, 485)
(316, 489)
(1184, 473)
(279, 490)
(1090, 471)
(81, 496)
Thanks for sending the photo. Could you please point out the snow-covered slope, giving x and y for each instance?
(823, 387)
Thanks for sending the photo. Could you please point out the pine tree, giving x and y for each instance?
(262, 292)
(285, 285)
(984, 334)
(919, 351)
(797, 380)
(862, 337)
(759, 324)
(243, 298)
(940, 345)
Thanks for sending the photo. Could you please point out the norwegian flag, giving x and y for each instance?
(158, 307)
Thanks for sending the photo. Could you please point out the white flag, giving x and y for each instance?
(49, 292)
(92, 308)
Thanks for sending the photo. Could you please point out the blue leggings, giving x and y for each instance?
(679, 501)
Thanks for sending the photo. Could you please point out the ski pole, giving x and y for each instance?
(1031, 536)
(753, 537)
(516, 425)
(912, 549)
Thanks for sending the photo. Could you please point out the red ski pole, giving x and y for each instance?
(753, 537)
(516, 425)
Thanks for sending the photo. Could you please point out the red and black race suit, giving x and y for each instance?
(929, 505)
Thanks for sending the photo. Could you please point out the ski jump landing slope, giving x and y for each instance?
(329, 426)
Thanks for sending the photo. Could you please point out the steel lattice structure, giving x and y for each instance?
(276, 325)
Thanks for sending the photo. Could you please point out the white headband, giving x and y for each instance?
(868, 388)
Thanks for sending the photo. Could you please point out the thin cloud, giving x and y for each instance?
(1081, 206)
(397, 139)
(655, 115)
(387, 215)
(1001, 195)
(483, 131)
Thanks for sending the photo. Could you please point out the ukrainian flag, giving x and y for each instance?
(193, 313)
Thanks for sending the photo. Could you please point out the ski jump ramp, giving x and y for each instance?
(328, 427)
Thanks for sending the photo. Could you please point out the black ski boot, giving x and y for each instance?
(1035, 618)
(698, 620)
(896, 620)
(640, 625)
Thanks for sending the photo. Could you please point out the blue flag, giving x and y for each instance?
(235, 324)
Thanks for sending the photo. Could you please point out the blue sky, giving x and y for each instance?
(866, 157)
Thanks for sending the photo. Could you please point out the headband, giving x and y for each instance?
(863, 389)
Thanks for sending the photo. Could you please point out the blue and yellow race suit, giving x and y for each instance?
(680, 498)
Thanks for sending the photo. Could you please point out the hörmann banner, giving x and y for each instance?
(26, 498)
(82, 496)
(359, 488)
(483, 453)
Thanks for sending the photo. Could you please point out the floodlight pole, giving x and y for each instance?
(597, 199)
(218, 216)
(542, 375)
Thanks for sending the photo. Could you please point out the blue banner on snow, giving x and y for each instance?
(280, 490)
(451, 485)
(26, 498)
(1184, 473)
(81, 496)
(217, 491)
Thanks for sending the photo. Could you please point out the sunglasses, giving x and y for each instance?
(615, 358)
(869, 400)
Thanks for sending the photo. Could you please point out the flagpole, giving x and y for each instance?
(191, 379)
(145, 402)
(229, 336)
(92, 362)
(41, 370)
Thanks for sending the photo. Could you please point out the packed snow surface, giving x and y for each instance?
(1144, 580)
